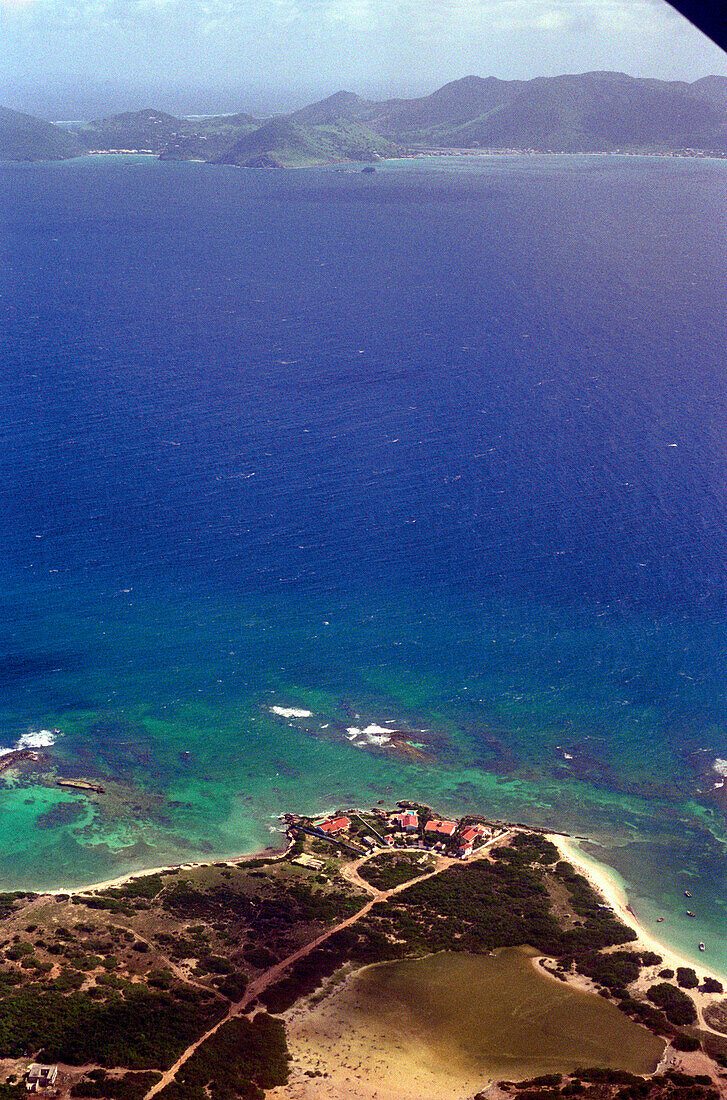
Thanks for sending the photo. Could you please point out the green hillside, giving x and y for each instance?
(23, 137)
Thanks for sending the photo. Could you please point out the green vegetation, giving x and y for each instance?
(388, 870)
(142, 1030)
(240, 1060)
(678, 1008)
(687, 978)
(130, 1086)
(604, 1084)
(682, 1041)
(289, 141)
(615, 970)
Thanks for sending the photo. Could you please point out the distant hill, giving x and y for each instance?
(337, 107)
(713, 89)
(172, 138)
(288, 143)
(587, 112)
(590, 112)
(208, 138)
(598, 112)
(23, 137)
(453, 105)
(147, 130)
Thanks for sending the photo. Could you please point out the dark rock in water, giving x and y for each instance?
(368, 169)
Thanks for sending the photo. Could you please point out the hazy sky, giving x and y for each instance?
(79, 56)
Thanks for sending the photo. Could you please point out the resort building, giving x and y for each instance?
(334, 825)
(467, 838)
(408, 821)
(435, 827)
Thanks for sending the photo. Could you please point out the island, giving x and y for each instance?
(390, 953)
(596, 112)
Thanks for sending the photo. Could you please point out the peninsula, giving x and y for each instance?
(389, 953)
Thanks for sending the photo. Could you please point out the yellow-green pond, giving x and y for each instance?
(494, 1016)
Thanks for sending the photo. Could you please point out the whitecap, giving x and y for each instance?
(372, 734)
(720, 766)
(36, 739)
(33, 739)
(372, 728)
(291, 712)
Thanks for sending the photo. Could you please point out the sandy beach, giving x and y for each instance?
(613, 893)
(131, 876)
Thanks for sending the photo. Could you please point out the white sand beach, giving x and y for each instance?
(605, 882)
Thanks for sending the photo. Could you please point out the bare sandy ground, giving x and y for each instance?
(360, 1061)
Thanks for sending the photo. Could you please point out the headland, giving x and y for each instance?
(365, 955)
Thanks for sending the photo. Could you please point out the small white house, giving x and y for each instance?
(40, 1077)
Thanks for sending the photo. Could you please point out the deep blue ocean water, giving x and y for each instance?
(442, 447)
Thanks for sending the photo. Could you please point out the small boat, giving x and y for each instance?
(659, 920)
(690, 913)
(702, 947)
(687, 894)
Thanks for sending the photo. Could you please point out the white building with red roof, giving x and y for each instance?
(408, 821)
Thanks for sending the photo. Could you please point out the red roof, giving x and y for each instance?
(409, 820)
(446, 828)
(470, 834)
(335, 825)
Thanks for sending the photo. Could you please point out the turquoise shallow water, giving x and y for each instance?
(439, 449)
(199, 677)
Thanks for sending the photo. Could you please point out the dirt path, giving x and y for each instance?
(350, 874)
(253, 991)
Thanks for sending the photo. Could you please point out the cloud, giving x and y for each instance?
(372, 46)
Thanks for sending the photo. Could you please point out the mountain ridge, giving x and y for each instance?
(598, 111)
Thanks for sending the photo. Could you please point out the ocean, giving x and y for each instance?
(291, 459)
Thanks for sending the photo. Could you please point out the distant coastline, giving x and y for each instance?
(586, 112)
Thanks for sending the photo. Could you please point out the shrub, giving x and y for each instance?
(240, 1060)
(678, 1008)
(687, 978)
(682, 1041)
